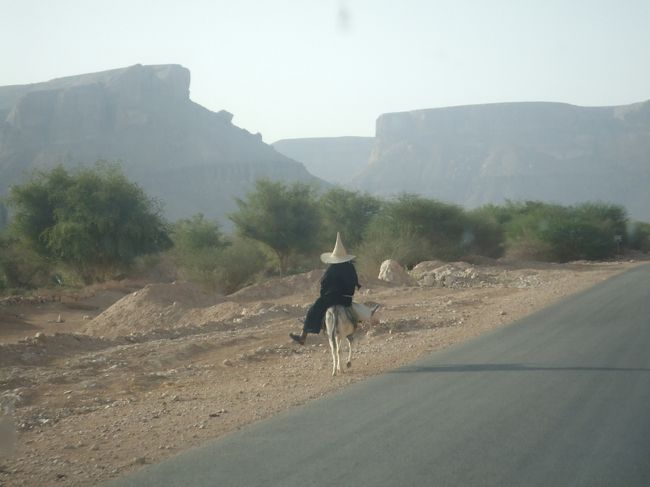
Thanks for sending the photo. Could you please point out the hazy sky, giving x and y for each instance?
(314, 68)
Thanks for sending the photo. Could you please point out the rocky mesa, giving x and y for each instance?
(555, 152)
(190, 158)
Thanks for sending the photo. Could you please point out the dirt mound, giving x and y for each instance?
(152, 307)
(308, 282)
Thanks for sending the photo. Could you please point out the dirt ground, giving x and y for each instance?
(96, 384)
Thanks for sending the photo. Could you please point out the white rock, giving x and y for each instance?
(392, 271)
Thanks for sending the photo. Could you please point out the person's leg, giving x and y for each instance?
(313, 321)
(299, 338)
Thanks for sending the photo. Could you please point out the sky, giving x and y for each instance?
(326, 68)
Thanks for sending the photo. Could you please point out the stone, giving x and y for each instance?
(392, 271)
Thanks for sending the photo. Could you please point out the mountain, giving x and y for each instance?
(190, 158)
(472, 155)
(334, 159)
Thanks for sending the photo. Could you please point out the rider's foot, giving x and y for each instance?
(298, 338)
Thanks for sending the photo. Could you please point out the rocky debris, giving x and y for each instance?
(43, 348)
(454, 275)
(458, 275)
(391, 271)
(16, 300)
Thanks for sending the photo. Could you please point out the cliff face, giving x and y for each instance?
(191, 159)
(480, 154)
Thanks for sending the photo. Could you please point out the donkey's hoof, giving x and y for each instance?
(349, 364)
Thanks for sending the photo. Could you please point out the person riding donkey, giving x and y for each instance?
(337, 286)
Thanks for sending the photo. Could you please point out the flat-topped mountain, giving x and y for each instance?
(190, 158)
(472, 155)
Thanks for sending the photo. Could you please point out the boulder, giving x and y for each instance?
(391, 271)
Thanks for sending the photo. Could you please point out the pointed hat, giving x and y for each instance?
(338, 255)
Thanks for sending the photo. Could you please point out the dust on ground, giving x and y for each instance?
(98, 383)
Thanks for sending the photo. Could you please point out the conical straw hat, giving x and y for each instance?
(338, 255)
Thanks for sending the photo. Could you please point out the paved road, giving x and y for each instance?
(561, 398)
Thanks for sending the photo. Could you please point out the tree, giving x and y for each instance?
(4, 218)
(347, 212)
(93, 219)
(284, 218)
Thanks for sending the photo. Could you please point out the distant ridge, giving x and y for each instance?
(334, 159)
(477, 154)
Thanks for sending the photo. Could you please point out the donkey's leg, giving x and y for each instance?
(338, 354)
(349, 363)
(331, 326)
(335, 353)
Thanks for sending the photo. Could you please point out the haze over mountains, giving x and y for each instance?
(190, 158)
(472, 155)
(334, 159)
(195, 160)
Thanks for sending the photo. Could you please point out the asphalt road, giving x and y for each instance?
(561, 398)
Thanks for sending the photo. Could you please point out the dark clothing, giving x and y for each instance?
(337, 286)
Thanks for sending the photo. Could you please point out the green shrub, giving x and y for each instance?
(204, 256)
(482, 234)
(544, 231)
(92, 219)
(4, 216)
(238, 265)
(194, 234)
(638, 236)
(21, 267)
(412, 228)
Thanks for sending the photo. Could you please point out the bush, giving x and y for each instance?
(483, 234)
(195, 234)
(638, 236)
(544, 231)
(238, 265)
(204, 256)
(21, 267)
(224, 269)
(93, 219)
(4, 216)
(412, 228)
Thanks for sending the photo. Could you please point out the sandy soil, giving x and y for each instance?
(97, 384)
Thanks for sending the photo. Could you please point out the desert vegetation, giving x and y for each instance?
(92, 224)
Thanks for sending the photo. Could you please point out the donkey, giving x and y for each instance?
(338, 325)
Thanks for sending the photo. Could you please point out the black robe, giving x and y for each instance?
(337, 286)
